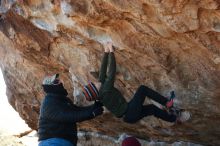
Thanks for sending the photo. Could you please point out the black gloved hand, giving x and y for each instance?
(97, 109)
(98, 104)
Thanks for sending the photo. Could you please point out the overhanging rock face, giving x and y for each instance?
(164, 44)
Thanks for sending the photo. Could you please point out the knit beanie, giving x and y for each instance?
(51, 80)
(90, 92)
(130, 141)
(52, 84)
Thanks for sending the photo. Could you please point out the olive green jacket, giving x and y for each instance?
(111, 97)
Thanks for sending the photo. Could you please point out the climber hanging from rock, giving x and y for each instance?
(134, 110)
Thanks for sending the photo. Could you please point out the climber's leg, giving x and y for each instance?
(151, 109)
(136, 110)
(145, 91)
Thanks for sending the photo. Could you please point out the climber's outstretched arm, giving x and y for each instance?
(109, 82)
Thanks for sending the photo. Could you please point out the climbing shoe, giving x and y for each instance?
(181, 114)
(170, 102)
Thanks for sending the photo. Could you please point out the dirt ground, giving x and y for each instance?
(7, 139)
(10, 141)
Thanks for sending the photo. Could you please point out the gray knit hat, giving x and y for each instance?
(51, 80)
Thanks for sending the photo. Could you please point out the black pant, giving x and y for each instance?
(136, 110)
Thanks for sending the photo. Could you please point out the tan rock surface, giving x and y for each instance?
(164, 44)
